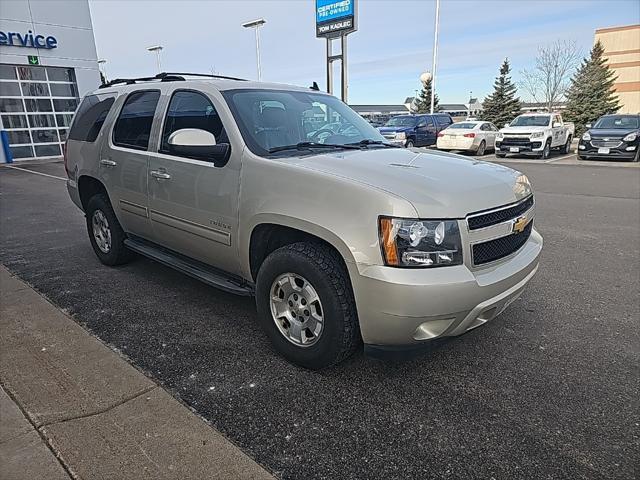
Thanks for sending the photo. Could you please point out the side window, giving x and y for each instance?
(422, 122)
(90, 117)
(485, 127)
(556, 118)
(189, 109)
(429, 121)
(444, 120)
(133, 127)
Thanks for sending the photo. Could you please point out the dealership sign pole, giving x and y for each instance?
(336, 19)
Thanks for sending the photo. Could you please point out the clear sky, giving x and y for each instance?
(386, 55)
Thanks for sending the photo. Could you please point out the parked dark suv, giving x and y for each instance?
(415, 130)
(612, 136)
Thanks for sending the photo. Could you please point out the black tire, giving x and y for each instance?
(637, 157)
(324, 269)
(501, 155)
(481, 148)
(410, 144)
(117, 254)
(567, 146)
(546, 151)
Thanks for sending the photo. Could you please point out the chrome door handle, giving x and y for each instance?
(108, 163)
(160, 175)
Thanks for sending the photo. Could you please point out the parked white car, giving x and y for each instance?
(535, 134)
(470, 136)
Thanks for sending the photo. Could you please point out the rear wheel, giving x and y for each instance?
(105, 233)
(567, 146)
(481, 148)
(306, 306)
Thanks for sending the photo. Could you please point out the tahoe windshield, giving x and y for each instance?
(617, 122)
(402, 121)
(272, 119)
(531, 121)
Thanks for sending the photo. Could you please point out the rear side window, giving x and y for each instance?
(133, 127)
(443, 120)
(90, 117)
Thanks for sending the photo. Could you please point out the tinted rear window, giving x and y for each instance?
(133, 127)
(90, 117)
(442, 120)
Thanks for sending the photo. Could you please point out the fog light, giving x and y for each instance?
(631, 148)
(581, 147)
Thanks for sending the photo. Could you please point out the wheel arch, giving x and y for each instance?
(89, 186)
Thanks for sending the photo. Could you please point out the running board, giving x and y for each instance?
(193, 268)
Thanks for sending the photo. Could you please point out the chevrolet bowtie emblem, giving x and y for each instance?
(519, 225)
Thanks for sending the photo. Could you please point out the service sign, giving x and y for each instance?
(335, 17)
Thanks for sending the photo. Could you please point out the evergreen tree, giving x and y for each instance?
(502, 105)
(591, 93)
(423, 102)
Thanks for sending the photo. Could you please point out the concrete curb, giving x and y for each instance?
(98, 415)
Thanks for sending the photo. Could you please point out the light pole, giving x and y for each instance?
(435, 53)
(157, 49)
(256, 24)
(103, 69)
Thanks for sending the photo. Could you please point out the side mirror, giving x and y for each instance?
(199, 145)
(588, 125)
(506, 125)
(556, 124)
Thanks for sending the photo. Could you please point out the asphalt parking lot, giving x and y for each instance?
(548, 390)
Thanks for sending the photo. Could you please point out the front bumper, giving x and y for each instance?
(408, 307)
(523, 147)
(623, 151)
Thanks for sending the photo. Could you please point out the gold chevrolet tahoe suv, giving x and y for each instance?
(286, 194)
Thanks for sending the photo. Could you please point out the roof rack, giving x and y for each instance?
(165, 77)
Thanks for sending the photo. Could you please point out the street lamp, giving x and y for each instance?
(435, 53)
(157, 49)
(102, 68)
(256, 24)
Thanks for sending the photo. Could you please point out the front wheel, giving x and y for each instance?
(410, 144)
(481, 148)
(305, 305)
(546, 152)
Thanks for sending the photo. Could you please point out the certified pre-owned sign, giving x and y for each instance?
(335, 17)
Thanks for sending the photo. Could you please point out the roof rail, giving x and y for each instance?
(164, 77)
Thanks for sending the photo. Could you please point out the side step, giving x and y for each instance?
(188, 266)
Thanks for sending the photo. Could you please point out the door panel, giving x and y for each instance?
(192, 203)
(124, 161)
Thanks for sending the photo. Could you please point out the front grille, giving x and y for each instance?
(515, 141)
(500, 247)
(606, 143)
(499, 216)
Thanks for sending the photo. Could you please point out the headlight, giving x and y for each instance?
(537, 135)
(420, 243)
(401, 136)
(630, 138)
(586, 136)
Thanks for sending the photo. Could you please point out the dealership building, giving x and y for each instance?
(48, 61)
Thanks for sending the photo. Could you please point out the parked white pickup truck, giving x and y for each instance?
(535, 134)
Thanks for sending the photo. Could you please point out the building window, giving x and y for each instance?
(37, 105)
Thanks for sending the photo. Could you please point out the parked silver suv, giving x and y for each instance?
(287, 194)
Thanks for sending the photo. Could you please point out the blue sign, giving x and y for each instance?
(28, 40)
(328, 10)
(335, 17)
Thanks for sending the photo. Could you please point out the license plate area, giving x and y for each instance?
(514, 149)
(603, 150)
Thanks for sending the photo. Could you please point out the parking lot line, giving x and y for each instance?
(35, 173)
(552, 160)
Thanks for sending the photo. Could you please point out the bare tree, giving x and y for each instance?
(548, 81)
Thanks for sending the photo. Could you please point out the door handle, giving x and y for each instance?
(159, 175)
(107, 163)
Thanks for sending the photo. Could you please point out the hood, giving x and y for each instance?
(523, 130)
(384, 130)
(439, 185)
(613, 133)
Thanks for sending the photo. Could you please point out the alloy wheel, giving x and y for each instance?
(101, 231)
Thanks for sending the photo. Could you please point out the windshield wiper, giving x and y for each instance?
(311, 145)
(367, 141)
